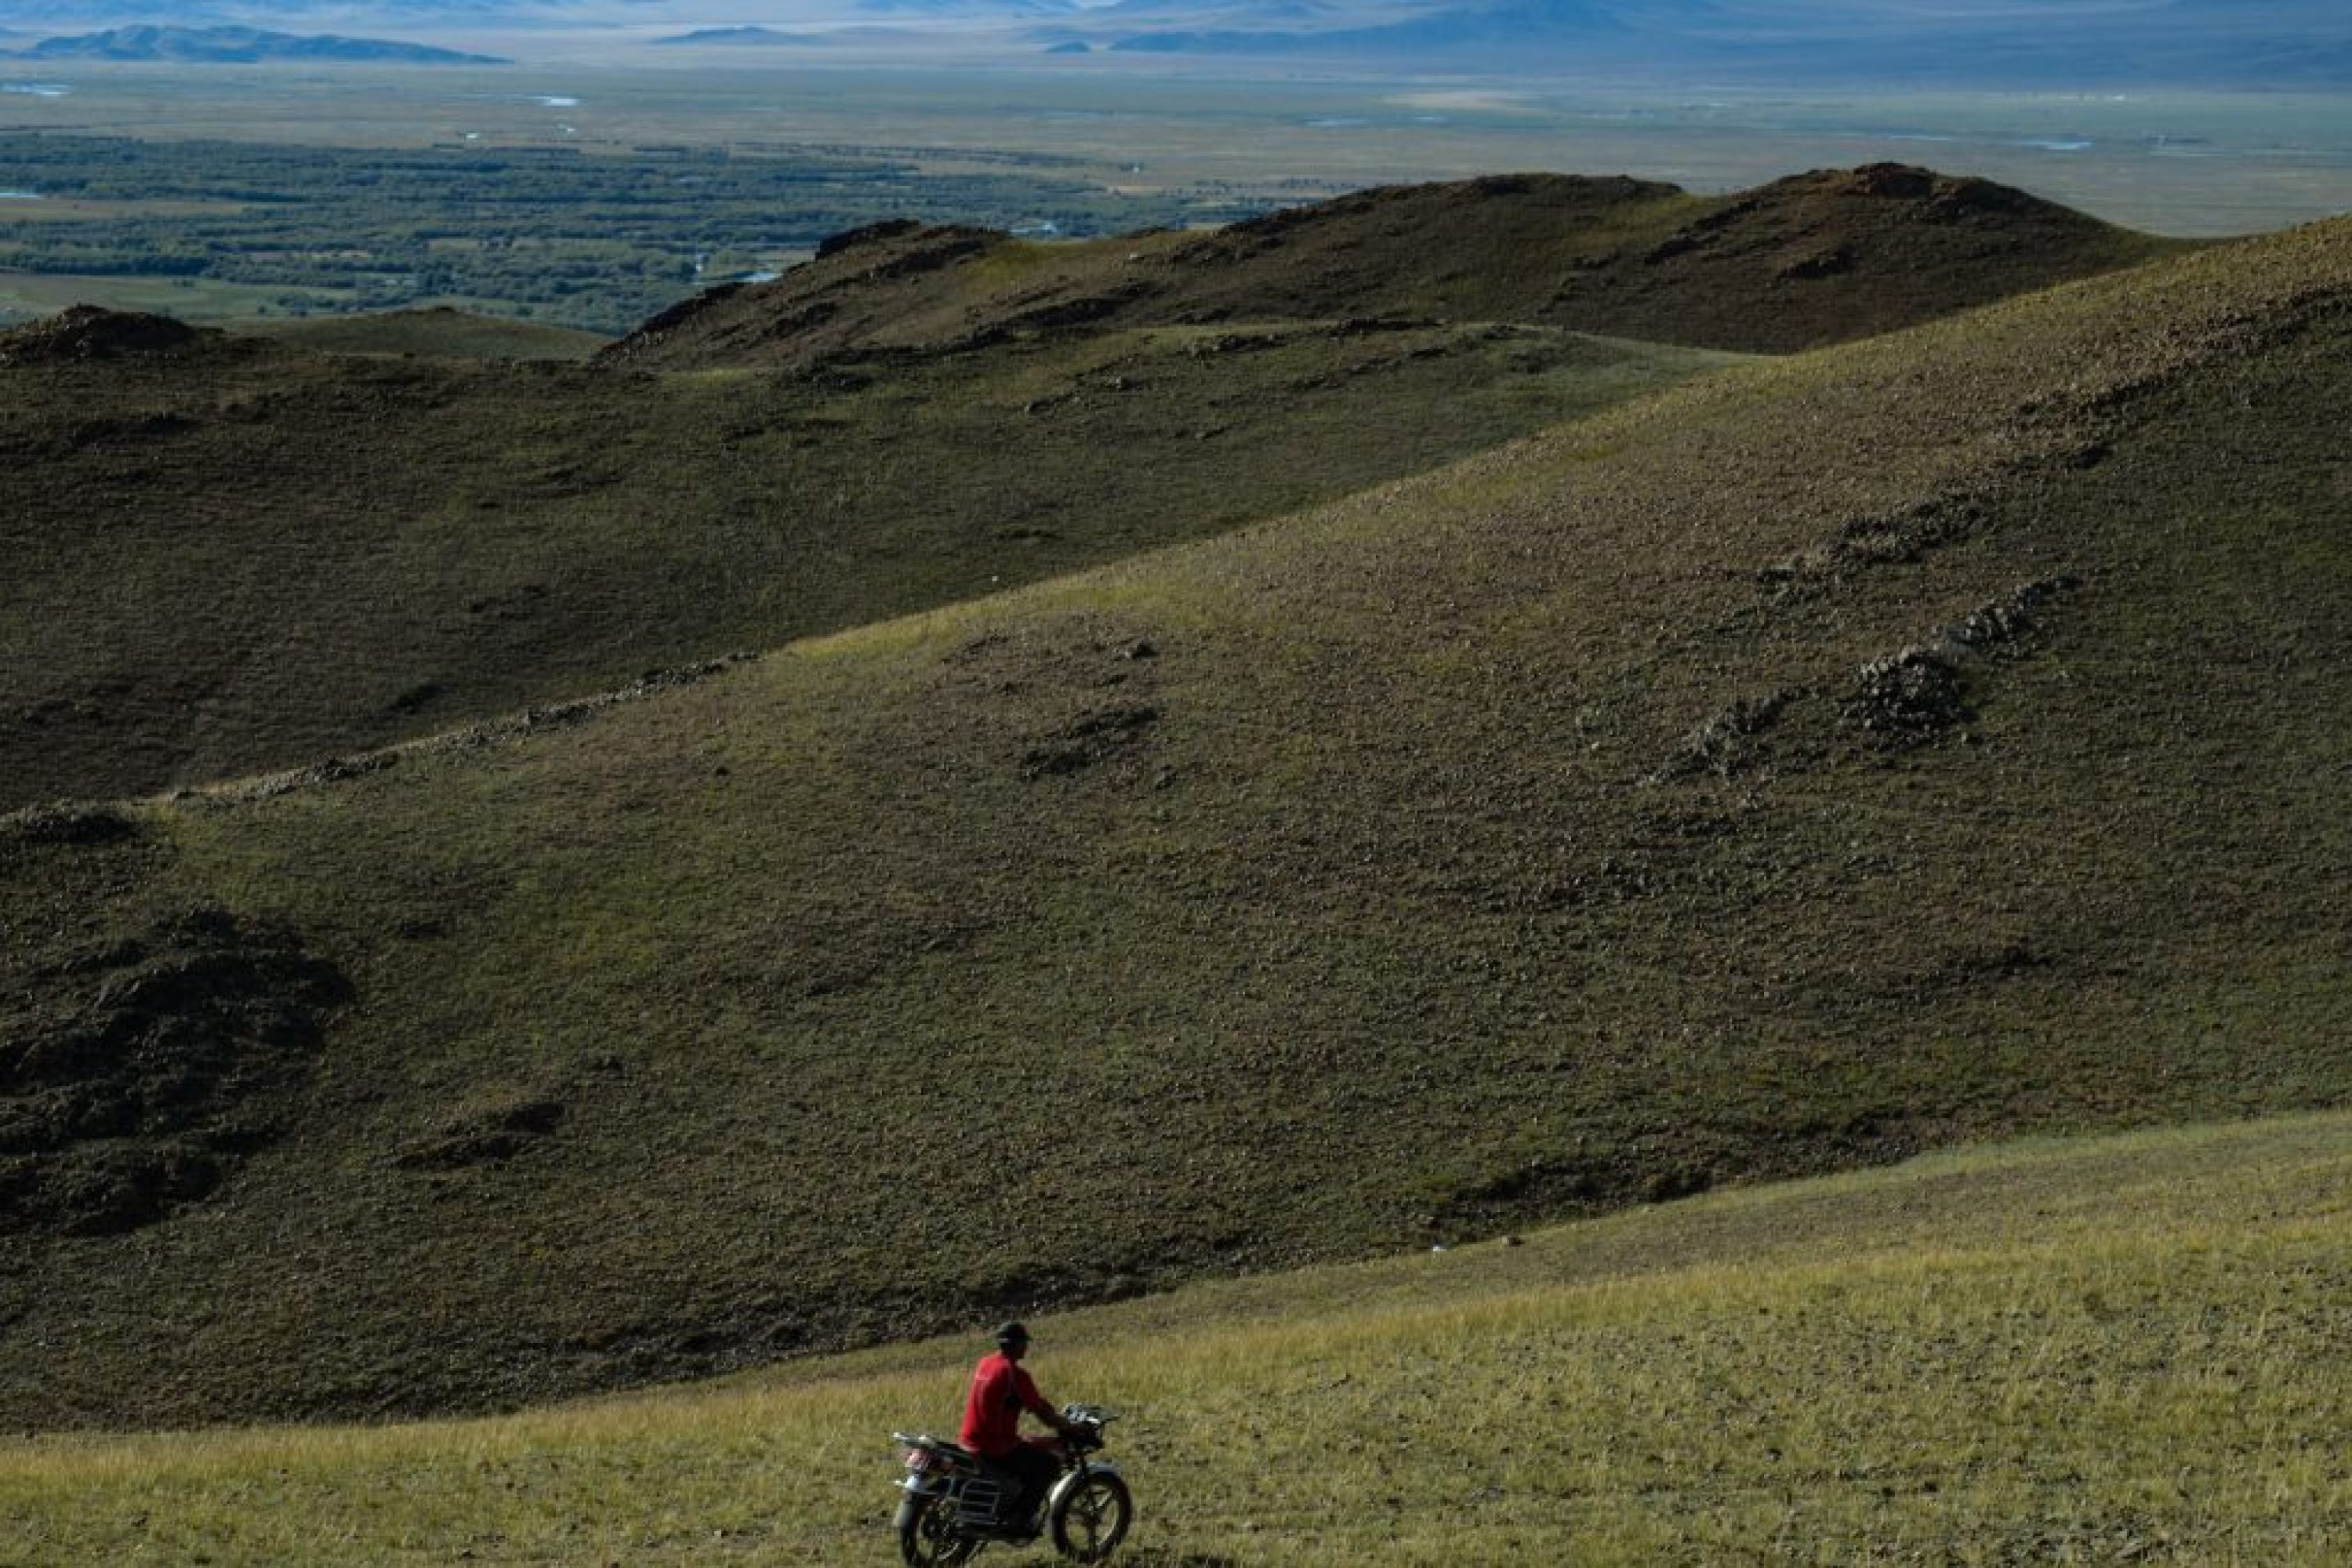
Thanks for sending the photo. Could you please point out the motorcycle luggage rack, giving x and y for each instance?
(980, 1501)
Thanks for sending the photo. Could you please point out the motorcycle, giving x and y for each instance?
(955, 1503)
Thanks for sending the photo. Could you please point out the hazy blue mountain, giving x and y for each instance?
(1257, 13)
(974, 8)
(239, 46)
(2030, 43)
(1549, 25)
(2250, 42)
(741, 37)
(2231, 42)
(52, 16)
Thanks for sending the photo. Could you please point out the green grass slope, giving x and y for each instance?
(1912, 742)
(1815, 259)
(226, 556)
(2118, 1351)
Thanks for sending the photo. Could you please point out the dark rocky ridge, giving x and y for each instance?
(1804, 261)
(92, 332)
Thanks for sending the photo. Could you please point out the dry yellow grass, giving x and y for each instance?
(2118, 1351)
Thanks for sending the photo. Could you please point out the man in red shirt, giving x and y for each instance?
(1001, 1390)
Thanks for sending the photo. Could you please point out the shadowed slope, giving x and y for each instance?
(1935, 736)
(231, 557)
(1813, 259)
(226, 556)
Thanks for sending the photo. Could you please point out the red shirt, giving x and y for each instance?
(1000, 1391)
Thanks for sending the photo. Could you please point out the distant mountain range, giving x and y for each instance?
(195, 13)
(2260, 43)
(239, 46)
(981, 8)
(2089, 43)
(741, 37)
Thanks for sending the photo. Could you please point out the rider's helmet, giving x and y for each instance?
(1010, 1336)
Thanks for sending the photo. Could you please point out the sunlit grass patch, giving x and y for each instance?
(2121, 1351)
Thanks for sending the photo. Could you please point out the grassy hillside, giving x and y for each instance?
(228, 554)
(1923, 740)
(2126, 1351)
(234, 555)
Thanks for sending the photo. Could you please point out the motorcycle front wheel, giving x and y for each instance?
(1092, 1519)
(927, 1537)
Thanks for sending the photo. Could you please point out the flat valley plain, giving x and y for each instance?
(1097, 147)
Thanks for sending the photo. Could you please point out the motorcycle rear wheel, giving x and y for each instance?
(927, 1537)
(1091, 1521)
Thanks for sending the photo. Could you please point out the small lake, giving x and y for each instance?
(20, 196)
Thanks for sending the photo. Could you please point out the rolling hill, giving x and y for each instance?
(1813, 259)
(239, 554)
(1924, 739)
(235, 556)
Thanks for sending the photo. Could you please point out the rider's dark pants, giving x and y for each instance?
(1036, 1467)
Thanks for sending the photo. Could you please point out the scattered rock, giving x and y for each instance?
(1827, 263)
(1232, 343)
(1907, 699)
(334, 770)
(2008, 620)
(1727, 744)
